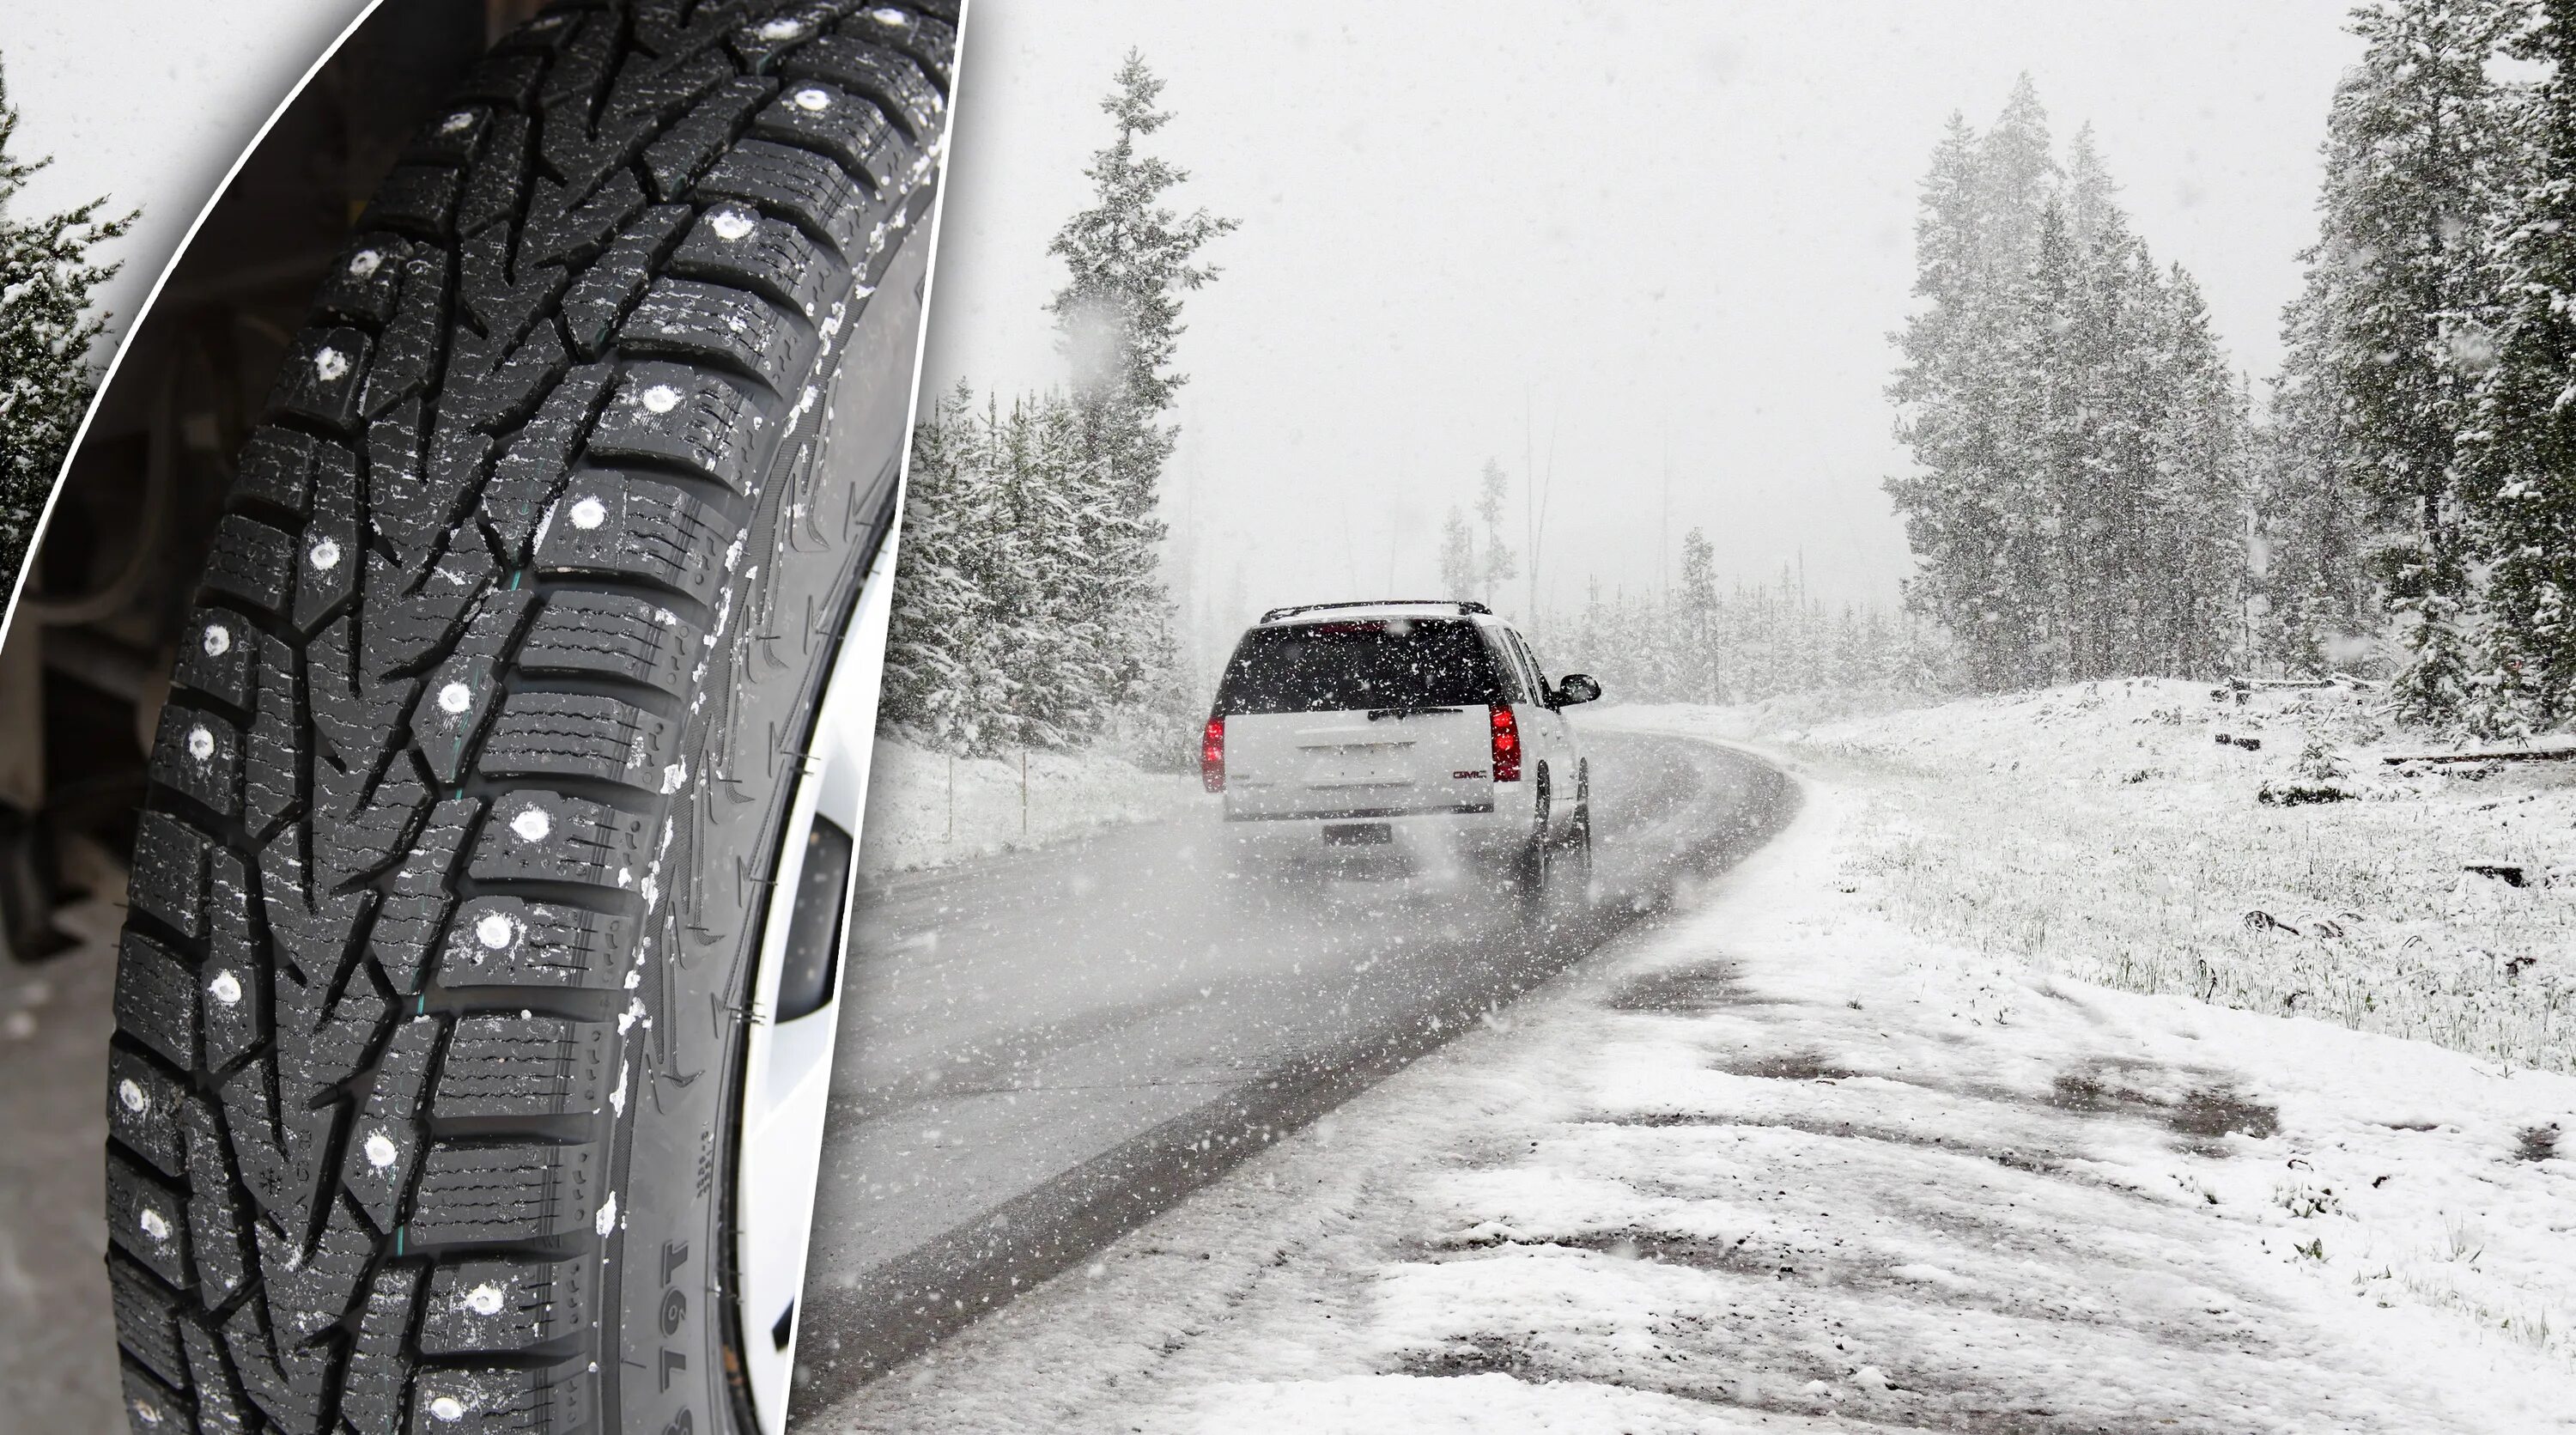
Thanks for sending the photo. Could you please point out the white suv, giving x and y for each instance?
(1415, 730)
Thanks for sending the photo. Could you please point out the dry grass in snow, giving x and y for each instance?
(2103, 832)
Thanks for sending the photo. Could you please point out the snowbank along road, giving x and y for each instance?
(1043, 1052)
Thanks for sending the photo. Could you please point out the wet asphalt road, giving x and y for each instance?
(1042, 1052)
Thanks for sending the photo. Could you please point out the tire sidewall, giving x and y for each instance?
(676, 1331)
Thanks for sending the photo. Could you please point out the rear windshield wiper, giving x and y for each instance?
(1377, 713)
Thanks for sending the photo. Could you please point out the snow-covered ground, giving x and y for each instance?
(1786, 1161)
(2103, 831)
(927, 809)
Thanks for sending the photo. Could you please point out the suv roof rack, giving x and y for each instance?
(1461, 604)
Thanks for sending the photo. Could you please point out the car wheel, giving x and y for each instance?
(500, 821)
(1578, 841)
(1531, 867)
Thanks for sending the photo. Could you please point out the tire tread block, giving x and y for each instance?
(277, 468)
(538, 836)
(503, 1401)
(612, 284)
(322, 377)
(735, 330)
(461, 693)
(506, 1066)
(252, 562)
(817, 115)
(674, 414)
(799, 185)
(508, 942)
(217, 1218)
(930, 41)
(888, 77)
(616, 525)
(385, 1141)
(542, 734)
(686, 149)
(151, 1406)
(416, 199)
(506, 1307)
(363, 283)
(409, 349)
(475, 1195)
(379, 1370)
(144, 1107)
(156, 998)
(221, 1410)
(273, 776)
(147, 1219)
(309, 1287)
(741, 247)
(198, 754)
(284, 1381)
(423, 890)
(410, 626)
(147, 1320)
(609, 634)
(532, 467)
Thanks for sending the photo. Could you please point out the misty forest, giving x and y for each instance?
(2097, 490)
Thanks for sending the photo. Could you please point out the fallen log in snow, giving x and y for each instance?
(2539, 754)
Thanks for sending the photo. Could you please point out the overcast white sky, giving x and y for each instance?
(1622, 222)
(1625, 225)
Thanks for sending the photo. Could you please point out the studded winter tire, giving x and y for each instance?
(486, 905)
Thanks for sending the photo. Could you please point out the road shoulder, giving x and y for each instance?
(932, 812)
(1775, 1162)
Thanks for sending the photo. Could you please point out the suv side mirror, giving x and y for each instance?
(1577, 688)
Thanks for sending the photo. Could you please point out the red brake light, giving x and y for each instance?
(1507, 744)
(1212, 755)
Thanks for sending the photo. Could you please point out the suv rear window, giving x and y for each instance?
(1388, 663)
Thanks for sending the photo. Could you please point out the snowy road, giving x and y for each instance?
(1774, 1162)
(1043, 1052)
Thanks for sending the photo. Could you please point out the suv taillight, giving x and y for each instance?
(1212, 755)
(1507, 744)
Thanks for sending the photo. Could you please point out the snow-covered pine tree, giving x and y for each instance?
(1059, 605)
(2416, 150)
(947, 651)
(2201, 445)
(2313, 525)
(2042, 473)
(2102, 484)
(1951, 522)
(2521, 453)
(2016, 178)
(1696, 674)
(47, 274)
(2074, 430)
(1978, 572)
(1129, 259)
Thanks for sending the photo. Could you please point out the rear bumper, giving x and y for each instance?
(1464, 835)
(1366, 814)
